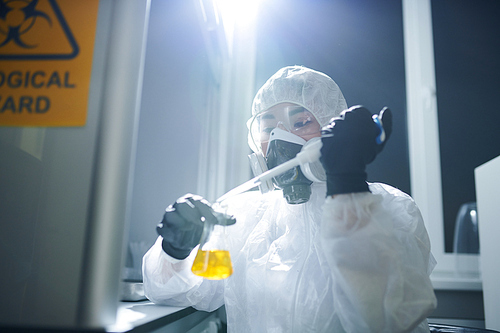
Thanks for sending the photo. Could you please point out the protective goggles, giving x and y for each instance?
(292, 118)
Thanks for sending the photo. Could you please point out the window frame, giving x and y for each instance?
(423, 146)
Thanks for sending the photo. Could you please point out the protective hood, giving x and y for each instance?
(308, 88)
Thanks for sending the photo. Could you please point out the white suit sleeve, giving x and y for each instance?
(169, 281)
(379, 253)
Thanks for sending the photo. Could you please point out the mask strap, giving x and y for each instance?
(259, 166)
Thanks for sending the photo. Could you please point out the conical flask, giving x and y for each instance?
(213, 260)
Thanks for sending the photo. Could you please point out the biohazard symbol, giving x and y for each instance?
(18, 18)
(20, 21)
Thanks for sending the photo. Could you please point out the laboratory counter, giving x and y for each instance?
(144, 316)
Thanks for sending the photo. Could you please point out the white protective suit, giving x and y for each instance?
(353, 263)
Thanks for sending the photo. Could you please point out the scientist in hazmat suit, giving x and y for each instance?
(331, 255)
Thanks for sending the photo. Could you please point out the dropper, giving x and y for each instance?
(309, 154)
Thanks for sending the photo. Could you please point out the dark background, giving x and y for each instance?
(467, 54)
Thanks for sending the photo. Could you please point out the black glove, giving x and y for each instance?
(182, 224)
(349, 144)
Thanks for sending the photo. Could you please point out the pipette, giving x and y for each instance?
(308, 154)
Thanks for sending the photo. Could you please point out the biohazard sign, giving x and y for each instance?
(46, 49)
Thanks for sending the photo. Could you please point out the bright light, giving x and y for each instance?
(241, 12)
(238, 18)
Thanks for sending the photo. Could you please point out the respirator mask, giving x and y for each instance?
(296, 182)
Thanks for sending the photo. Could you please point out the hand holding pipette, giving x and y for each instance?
(375, 130)
(351, 142)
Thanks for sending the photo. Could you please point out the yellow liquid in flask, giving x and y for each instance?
(213, 264)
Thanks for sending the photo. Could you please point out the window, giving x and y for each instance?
(451, 78)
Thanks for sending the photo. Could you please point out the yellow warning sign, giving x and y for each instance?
(46, 49)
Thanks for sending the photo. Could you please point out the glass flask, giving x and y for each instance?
(466, 240)
(213, 260)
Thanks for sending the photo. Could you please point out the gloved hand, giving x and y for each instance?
(182, 224)
(349, 144)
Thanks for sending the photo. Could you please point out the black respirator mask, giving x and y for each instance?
(282, 147)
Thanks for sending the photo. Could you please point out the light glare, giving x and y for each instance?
(241, 12)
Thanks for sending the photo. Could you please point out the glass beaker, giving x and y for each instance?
(466, 238)
(213, 260)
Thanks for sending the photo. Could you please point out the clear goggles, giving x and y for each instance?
(292, 118)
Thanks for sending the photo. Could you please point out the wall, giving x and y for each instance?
(176, 82)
